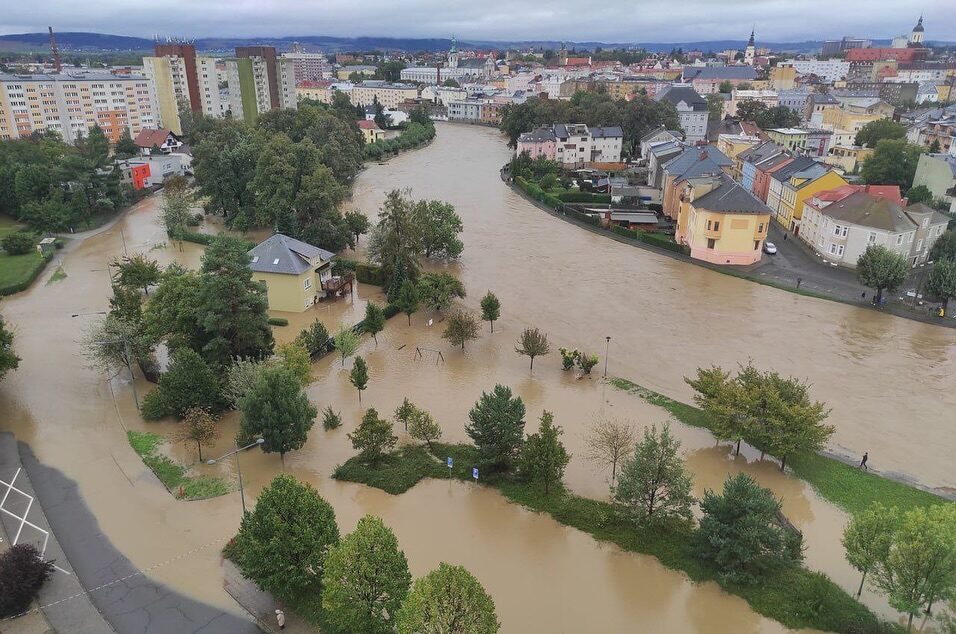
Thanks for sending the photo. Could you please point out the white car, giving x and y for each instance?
(769, 248)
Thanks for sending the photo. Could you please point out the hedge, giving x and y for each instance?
(207, 238)
(25, 283)
(649, 238)
(278, 321)
(369, 274)
(584, 197)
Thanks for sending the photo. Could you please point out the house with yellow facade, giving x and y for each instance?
(791, 185)
(295, 273)
(721, 222)
(370, 131)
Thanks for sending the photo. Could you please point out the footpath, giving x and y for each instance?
(103, 592)
(259, 603)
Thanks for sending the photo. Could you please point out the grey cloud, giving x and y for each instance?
(607, 20)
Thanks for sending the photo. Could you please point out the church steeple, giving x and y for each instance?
(916, 37)
(751, 41)
(750, 54)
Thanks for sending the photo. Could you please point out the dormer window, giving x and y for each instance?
(255, 259)
(275, 261)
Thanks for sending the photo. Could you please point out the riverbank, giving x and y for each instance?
(753, 273)
(796, 597)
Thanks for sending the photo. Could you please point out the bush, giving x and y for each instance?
(19, 243)
(207, 238)
(369, 274)
(188, 383)
(315, 339)
(584, 197)
(22, 574)
(278, 321)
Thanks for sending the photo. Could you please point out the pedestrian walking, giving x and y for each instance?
(941, 312)
(784, 237)
(799, 281)
(280, 615)
(863, 296)
(866, 456)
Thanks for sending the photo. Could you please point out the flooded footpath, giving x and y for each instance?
(883, 376)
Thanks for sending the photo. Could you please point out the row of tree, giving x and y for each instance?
(53, 186)
(290, 545)
(636, 117)
(885, 270)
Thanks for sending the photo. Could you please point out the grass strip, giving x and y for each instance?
(172, 475)
(796, 597)
(850, 488)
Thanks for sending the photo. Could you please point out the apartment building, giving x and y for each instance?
(72, 103)
(388, 94)
(259, 81)
(828, 69)
(692, 110)
(309, 66)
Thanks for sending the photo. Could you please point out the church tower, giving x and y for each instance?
(916, 37)
(750, 53)
(453, 53)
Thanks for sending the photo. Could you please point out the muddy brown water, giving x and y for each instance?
(883, 376)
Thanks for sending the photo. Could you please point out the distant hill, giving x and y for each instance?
(103, 42)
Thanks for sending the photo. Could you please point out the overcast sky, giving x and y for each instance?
(604, 20)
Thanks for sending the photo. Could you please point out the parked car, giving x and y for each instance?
(769, 248)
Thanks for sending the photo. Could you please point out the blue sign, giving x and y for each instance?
(474, 473)
(451, 463)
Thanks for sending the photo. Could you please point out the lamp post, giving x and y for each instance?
(235, 452)
(607, 348)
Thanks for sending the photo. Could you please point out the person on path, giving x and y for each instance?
(866, 456)
(941, 312)
(280, 618)
(863, 296)
(799, 281)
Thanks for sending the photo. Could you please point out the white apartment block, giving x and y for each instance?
(71, 104)
(389, 95)
(309, 66)
(209, 92)
(829, 69)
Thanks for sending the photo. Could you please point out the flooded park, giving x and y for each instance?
(888, 380)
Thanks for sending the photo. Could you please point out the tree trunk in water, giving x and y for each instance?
(492, 326)
(532, 364)
(737, 453)
(360, 396)
(909, 623)
(409, 319)
(860, 589)
(761, 455)
(199, 446)
(375, 337)
(879, 296)
(783, 464)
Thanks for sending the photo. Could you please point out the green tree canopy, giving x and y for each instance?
(8, 360)
(373, 437)
(282, 544)
(741, 532)
(945, 247)
(867, 538)
(395, 242)
(365, 579)
(450, 600)
(374, 321)
(942, 280)
(188, 383)
(358, 377)
(532, 343)
(654, 485)
(881, 269)
(126, 147)
(892, 163)
(407, 299)
(277, 409)
(438, 290)
(919, 194)
(873, 132)
(137, 271)
(346, 341)
(543, 458)
(490, 309)
(23, 571)
(439, 227)
(461, 327)
(496, 426)
(422, 426)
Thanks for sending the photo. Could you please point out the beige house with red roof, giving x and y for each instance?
(163, 139)
(370, 131)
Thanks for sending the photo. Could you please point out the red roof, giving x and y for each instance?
(149, 137)
(889, 192)
(319, 83)
(367, 124)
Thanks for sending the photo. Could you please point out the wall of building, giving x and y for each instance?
(287, 293)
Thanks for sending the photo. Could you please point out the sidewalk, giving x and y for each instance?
(260, 604)
(76, 614)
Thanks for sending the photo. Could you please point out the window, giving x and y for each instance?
(709, 223)
(899, 239)
(716, 225)
(919, 244)
(760, 228)
(711, 243)
(275, 261)
(872, 238)
(836, 249)
(756, 244)
(839, 231)
(308, 283)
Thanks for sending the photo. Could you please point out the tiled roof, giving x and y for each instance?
(367, 124)
(282, 254)
(149, 137)
(799, 164)
(730, 197)
(719, 72)
(865, 210)
(677, 94)
(607, 132)
(760, 152)
(539, 135)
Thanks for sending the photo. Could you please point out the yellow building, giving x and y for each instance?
(848, 157)
(800, 188)
(320, 91)
(296, 274)
(721, 222)
(850, 119)
(733, 144)
(782, 77)
(387, 94)
(370, 131)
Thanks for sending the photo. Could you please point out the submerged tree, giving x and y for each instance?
(373, 437)
(404, 412)
(359, 375)
(374, 321)
(543, 458)
(881, 269)
(608, 443)
(533, 343)
(654, 485)
(490, 309)
(407, 299)
(462, 326)
(198, 426)
(867, 538)
(346, 342)
(277, 409)
(497, 427)
(450, 600)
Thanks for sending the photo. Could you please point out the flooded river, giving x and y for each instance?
(884, 377)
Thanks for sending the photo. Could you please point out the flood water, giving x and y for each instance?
(883, 376)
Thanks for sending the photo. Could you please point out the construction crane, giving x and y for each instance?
(57, 66)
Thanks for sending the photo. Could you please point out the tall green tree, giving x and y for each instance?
(224, 164)
(359, 376)
(346, 341)
(374, 321)
(919, 194)
(176, 212)
(449, 599)
(532, 343)
(126, 147)
(277, 409)
(365, 579)
(741, 533)
(188, 383)
(422, 426)
(543, 458)
(490, 309)
(867, 538)
(407, 299)
(282, 544)
(892, 163)
(942, 281)
(439, 226)
(920, 568)
(654, 485)
(137, 271)
(358, 224)
(945, 247)
(462, 326)
(881, 269)
(373, 437)
(8, 360)
(719, 396)
(405, 411)
(496, 426)
(294, 357)
(395, 243)
(873, 132)
(715, 106)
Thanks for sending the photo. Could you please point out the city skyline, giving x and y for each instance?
(614, 22)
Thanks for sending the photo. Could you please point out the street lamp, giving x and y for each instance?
(235, 452)
(607, 348)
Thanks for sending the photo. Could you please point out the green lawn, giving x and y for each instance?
(796, 597)
(848, 487)
(172, 475)
(17, 272)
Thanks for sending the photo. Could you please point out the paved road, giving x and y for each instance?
(137, 604)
